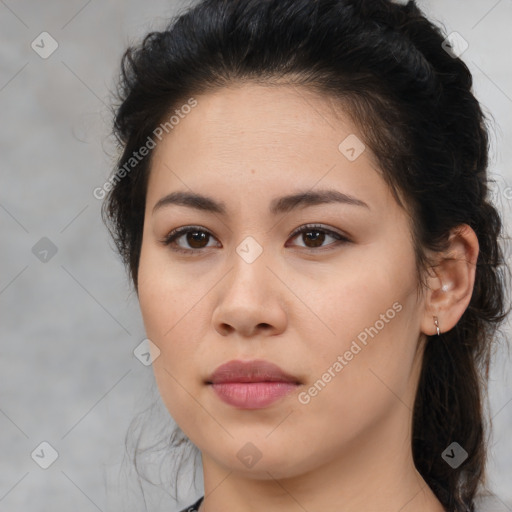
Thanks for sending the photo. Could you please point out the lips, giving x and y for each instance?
(250, 371)
(251, 385)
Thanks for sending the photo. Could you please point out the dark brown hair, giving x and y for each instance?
(391, 70)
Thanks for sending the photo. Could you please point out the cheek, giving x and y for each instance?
(172, 312)
(165, 294)
(366, 356)
(165, 322)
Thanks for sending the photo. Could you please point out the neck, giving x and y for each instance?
(376, 473)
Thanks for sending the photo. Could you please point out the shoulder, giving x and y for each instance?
(194, 507)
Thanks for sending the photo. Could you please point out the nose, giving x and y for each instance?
(251, 301)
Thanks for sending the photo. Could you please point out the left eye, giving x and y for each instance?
(317, 235)
(198, 238)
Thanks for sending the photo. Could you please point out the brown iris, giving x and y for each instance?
(196, 237)
(318, 239)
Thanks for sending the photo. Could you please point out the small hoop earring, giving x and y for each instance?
(436, 321)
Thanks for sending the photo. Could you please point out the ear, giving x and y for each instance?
(450, 285)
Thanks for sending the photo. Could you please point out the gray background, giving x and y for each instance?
(68, 375)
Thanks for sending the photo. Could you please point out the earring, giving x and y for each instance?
(436, 321)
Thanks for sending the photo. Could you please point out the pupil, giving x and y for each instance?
(317, 240)
(195, 237)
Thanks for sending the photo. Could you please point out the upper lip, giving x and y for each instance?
(250, 371)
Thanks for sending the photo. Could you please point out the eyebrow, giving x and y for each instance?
(285, 204)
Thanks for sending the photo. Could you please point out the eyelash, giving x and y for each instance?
(177, 233)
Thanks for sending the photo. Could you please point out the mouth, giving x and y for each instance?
(252, 384)
(250, 372)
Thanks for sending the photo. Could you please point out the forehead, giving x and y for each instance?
(255, 139)
(249, 116)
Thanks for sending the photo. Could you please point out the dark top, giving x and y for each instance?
(195, 506)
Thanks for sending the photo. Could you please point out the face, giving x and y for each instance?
(333, 304)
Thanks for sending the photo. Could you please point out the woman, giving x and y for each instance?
(302, 203)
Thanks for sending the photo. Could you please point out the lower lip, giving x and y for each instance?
(252, 395)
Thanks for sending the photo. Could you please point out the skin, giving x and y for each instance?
(351, 444)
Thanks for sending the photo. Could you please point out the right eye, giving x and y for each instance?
(194, 236)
